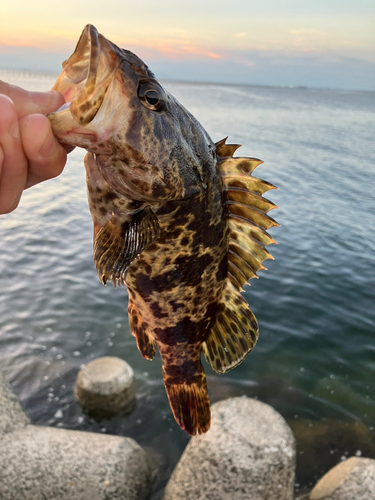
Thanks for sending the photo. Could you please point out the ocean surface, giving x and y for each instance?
(315, 359)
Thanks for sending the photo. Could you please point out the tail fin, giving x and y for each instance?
(190, 405)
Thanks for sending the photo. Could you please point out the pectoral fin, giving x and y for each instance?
(119, 242)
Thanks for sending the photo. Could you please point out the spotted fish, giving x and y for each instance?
(177, 218)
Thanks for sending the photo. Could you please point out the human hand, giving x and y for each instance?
(29, 153)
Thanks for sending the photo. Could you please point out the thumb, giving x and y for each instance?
(32, 102)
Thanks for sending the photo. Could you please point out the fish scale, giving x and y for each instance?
(177, 218)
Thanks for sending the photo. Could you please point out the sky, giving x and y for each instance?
(314, 43)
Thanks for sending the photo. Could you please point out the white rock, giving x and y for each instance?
(353, 479)
(248, 454)
(12, 416)
(106, 385)
(42, 463)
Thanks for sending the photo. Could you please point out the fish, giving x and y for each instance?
(178, 219)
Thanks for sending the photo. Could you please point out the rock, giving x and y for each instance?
(41, 463)
(58, 464)
(302, 495)
(321, 444)
(12, 416)
(248, 453)
(105, 386)
(353, 479)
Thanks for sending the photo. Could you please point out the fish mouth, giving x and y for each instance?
(84, 81)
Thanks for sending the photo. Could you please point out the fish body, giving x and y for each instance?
(177, 219)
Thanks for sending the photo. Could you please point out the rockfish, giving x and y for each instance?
(177, 219)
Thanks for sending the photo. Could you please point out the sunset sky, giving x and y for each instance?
(319, 43)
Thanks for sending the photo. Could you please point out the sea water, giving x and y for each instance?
(315, 358)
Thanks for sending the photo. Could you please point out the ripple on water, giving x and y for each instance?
(315, 355)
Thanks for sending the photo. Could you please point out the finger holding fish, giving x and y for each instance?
(26, 102)
(29, 151)
(14, 164)
(46, 157)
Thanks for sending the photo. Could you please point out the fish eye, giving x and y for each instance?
(151, 96)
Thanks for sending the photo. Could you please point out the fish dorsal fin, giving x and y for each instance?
(226, 150)
(119, 242)
(234, 330)
(233, 334)
(248, 216)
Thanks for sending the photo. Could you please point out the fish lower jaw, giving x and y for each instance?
(68, 131)
(78, 138)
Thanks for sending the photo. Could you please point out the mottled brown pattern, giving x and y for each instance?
(165, 223)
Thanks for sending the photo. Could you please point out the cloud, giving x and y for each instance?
(172, 51)
(196, 62)
(310, 70)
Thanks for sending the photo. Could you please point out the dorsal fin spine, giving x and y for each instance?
(258, 217)
(235, 282)
(226, 150)
(244, 266)
(247, 227)
(239, 165)
(253, 200)
(256, 248)
(246, 255)
(249, 182)
(236, 276)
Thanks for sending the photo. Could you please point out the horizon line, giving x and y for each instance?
(207, 82)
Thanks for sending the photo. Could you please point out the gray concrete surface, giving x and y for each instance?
(39, 463)
(353, 479)
(106, 386)
(248, 454)
(43, 463)
(12, 416)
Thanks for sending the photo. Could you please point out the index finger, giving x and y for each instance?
(32, 102)
(13, 167)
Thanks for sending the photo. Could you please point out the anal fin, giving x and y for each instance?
(233, 333)
(145, 341)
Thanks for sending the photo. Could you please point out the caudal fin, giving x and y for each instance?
(190, 406)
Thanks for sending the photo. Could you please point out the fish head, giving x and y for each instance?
(143, 140)
(90, 84)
